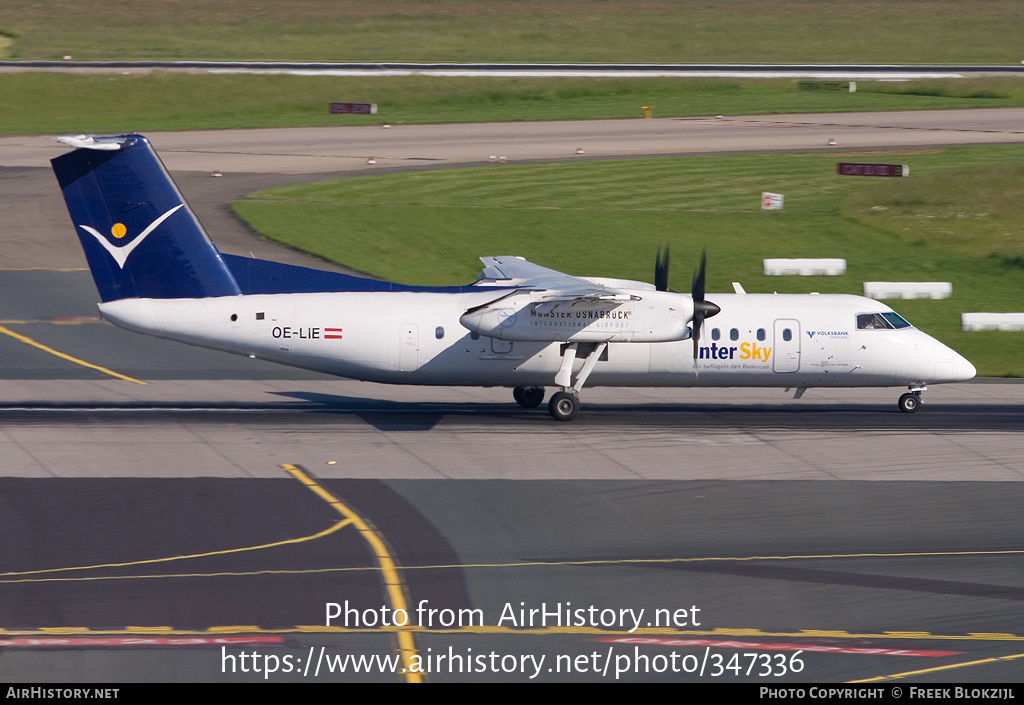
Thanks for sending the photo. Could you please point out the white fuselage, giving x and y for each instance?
(758, 340)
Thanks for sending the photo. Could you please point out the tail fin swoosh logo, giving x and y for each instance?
(121, 254)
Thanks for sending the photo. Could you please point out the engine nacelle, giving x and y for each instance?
(645, 316)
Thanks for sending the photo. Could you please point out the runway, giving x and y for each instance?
(157, 532)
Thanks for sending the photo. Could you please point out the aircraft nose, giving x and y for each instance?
(951, 366)
(963, 368)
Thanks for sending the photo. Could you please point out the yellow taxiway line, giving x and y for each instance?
(388, 569)
(64, 356)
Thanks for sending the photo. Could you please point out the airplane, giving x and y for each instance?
(520, 325)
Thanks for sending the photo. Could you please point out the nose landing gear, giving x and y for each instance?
(911, 401)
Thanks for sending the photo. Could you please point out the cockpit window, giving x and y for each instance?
(871, 321)
(895, 319)
(880, 321)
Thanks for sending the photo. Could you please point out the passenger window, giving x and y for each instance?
(734, 334)
(716, 334)
(439, 332)
(760, 334)
(787, 334)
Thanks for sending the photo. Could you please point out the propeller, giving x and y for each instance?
(661, 267)
(701, 308)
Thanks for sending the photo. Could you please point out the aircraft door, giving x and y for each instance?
(409, 348)
(786, 356)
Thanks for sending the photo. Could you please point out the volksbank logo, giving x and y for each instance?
(120, 253)
(827, 334)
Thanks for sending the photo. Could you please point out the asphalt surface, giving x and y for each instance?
(841, 571)
(205, 510)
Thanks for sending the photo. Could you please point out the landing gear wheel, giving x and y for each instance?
(564, 406)
(528, 397)
(909, 402)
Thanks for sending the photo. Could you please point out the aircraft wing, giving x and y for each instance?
(549, 283)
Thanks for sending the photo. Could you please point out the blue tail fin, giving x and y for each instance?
(140, 237)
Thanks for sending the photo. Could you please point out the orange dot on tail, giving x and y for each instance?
(118, 230)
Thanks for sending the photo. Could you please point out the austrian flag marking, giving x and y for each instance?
(305, 333)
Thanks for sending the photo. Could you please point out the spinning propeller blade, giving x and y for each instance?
(701, 308)
(661, 268)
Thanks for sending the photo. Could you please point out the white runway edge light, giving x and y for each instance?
(908, 290)
(992, 321)
(804, 267)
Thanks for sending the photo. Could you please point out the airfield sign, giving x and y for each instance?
(771, 201)
(853, 169)
(353, 108)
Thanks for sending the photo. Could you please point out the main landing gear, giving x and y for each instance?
(563, 406)
(528, 397)
(565, 403)
(911, 401)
